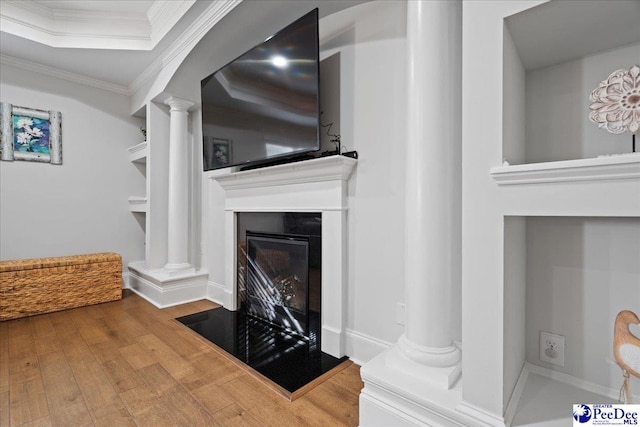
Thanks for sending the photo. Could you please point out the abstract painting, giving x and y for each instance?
(30, 135)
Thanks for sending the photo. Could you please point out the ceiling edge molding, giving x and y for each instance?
(186, 41)
(61, 74)
(163, 15)
(75, 29)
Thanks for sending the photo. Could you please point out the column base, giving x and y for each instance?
(178, 267)
(401, 392)
(427, 356)
(165, 288)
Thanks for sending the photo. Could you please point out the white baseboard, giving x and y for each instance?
(162, 293)
(480, 416)
(362, 347)
(125, 280)
(219, 294)
(376, 412)
(609, 392)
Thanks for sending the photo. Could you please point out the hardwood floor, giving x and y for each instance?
(127, 363)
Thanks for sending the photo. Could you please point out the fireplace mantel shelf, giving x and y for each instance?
(330, 168)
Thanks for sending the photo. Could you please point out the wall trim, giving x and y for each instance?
(482, 417)
(61, 74)
(575, 381)
(362, 347)
(179, 291)
(186, 41)
(163, 15)
(512, 405)
(219, 294)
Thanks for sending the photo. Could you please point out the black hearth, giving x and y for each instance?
(276, 330)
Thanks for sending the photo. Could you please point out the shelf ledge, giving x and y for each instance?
(138, 153)
(615, 167)
(137, 204)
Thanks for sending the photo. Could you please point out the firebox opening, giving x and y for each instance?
(279, 270)
(276, 280)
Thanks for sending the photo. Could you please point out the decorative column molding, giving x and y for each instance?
(412, 383)
(430, 174)
(178, 209)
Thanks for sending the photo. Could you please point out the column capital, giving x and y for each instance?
(178, 104)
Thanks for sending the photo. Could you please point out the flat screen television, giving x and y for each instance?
(264, 105)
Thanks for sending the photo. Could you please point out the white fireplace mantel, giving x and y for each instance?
(333, 168)
(317, 185)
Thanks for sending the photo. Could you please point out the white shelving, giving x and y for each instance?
(138, 153)
(549, 236)
(138, 156)
(552, 61)
(556, 395)
(138, 204)
(601, 168)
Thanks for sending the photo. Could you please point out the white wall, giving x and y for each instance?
(371, 42)
(80, 206)
(581, 272)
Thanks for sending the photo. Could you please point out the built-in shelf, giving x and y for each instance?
(138, 153)
(546, 398)
(137, 204)
(560, 31)
(569, 217)
(601, 168)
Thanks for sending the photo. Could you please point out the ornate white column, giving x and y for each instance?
(412, 382)
(178, 213)
(430, 177)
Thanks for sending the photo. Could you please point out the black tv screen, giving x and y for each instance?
(264, 105)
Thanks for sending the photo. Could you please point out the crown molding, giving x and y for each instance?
(61, 74)
(91, 29)
(163, 15)
(186, 41)
(183, 44)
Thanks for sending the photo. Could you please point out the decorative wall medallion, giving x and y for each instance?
(30, 134)
(615, 103)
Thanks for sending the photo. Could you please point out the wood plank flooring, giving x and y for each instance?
(127, 363)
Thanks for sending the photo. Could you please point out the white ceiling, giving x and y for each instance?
(107, 40)
(117, 45)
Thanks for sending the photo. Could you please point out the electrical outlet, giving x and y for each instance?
(400, 313)
(552, 348)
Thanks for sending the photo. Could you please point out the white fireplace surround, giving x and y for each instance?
(317, 185)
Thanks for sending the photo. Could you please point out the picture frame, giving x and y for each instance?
(217, 152)
(30, 134)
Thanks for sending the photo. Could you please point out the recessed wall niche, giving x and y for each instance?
(548, 77)
(570, 276)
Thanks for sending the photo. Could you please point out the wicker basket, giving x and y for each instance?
(44, 285)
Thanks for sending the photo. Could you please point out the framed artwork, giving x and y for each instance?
(217, 152)
(30, 135)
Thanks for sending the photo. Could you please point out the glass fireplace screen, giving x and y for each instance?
(277, 280)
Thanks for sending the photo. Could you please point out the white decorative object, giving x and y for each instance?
(615, 103)
(626, 349)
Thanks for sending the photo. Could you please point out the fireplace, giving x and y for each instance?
(279, 269)
(316, 188)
